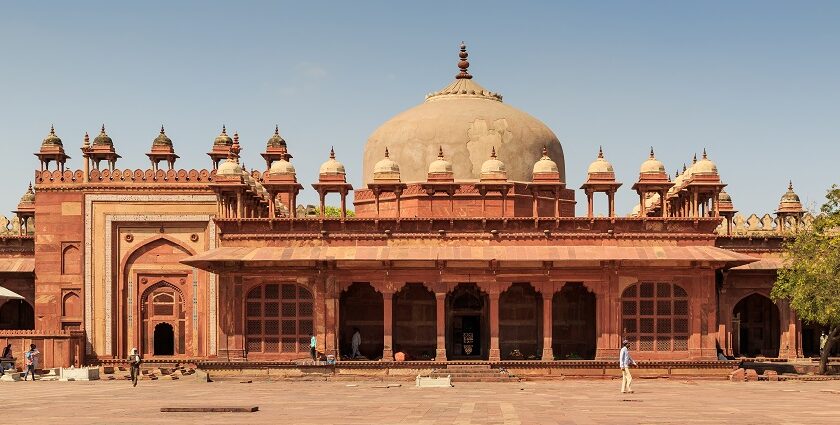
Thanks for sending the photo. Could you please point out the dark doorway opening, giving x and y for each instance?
(758, 330)
(520, 317)
(467, 324)
(17, 315)
(361, 307)
(164, 340)
(415, 322)
(573, 327)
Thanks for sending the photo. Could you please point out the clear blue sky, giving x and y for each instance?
(756, 83)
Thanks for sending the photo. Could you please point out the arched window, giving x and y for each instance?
(279, 318)
(654, 316)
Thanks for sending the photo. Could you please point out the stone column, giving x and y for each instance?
(547, 296)
(495, 354)
(388, 324)
(440, 322)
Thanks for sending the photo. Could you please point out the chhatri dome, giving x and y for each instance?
(466, 120)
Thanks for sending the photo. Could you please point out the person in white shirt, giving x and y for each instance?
(624, 362)
(355, 342)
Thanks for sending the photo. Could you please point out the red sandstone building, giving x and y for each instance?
(464, 246)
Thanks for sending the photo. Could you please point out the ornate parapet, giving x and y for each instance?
(46, 178)
(765, 225)
(12, 226)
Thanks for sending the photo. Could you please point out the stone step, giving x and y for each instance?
(469, 366)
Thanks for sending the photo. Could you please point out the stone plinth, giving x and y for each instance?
(79, 374)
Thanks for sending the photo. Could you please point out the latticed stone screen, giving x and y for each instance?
(278, 318)
(654, 316)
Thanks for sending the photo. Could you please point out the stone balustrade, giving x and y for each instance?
(767, 224)
(11, 226)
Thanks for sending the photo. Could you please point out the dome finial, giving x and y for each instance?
(235, 148)
(386, 152)
(704, 154)
(493, 152)
(161, 129)
(103, 128)
(544, 151)
(463, 64)
(790, 184)
(440, 152)
(332, 152)
(52, 130)
(694, 160)
(651, 153)
(87, 140)
(224, 131)
(276, 129)
(600, 152)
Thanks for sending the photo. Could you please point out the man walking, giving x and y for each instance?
(624, 361)
(355, 342)
(134, 361)
(31, 361)
(313, 343)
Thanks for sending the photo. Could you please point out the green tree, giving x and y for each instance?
(810, 279)
(330, 211)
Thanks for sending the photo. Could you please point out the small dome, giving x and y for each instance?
(545, 164)
(229, 168)
(386, 165)
(600, 165)
(704, 166)
(275, 141)
(223, 139)
(332, 167)
(790, 196)
(29, 196)
(724, 197)
(51, 139)
(162, 139)
(493, 165)
(440, 165)
(652, 165)
(103, 139)
(282, 167)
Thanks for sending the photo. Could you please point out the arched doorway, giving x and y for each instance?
(18, 315)
(520, 316)
(415, 322)
(361, 307)
(573, 323)
(758, 326)
(467, 324)
(163, 311)
(278, 320)
(164, 340)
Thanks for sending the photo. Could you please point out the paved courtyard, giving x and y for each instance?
(543, 402)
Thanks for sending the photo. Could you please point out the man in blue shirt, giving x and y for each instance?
(624, 362)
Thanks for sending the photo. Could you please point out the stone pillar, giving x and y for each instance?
(388, 325)
(495, 354)
(440, 304)
(330, 317)
(547, 296)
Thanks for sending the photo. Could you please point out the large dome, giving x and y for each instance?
(467, 121)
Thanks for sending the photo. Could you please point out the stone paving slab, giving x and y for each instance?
(659, 401)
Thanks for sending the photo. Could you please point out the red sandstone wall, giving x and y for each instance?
(59, 230)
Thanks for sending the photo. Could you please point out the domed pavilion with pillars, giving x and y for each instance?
(464, 247)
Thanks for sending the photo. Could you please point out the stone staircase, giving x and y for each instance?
(474, 373)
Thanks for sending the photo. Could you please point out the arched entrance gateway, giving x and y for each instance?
(415, 322)
(361, 307)
(757, 320)
(467, 323)
(573, 323)
(520, 316)
(163, 312)
(17, 314)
